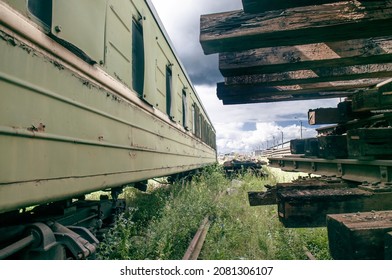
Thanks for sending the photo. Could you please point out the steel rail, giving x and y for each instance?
(194, 248)
(308, 254)
(355, 170)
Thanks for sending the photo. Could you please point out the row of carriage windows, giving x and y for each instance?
(42, 11)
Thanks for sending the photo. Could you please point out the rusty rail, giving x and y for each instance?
(308, 254)
(196, 245)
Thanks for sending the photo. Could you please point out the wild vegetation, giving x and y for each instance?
(161, 222)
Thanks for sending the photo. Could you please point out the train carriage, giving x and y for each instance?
(93, 97)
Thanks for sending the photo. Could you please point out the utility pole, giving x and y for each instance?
(282, 138)
(301, 127)
(300, 121)
(281, 131)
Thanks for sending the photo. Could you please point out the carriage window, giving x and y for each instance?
(137, 57)
(169, 90)
(193, 119)
(184, 109)
(196, 121)
(200, 127)
(42, 10)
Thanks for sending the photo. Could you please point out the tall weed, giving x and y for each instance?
(161, 223)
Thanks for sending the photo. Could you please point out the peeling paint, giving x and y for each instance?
(57, 65)
(40, 128)
(8, 38)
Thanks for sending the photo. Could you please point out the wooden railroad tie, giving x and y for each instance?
(360, 235)
(306, 203)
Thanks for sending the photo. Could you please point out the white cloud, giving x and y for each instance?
(230, 137)
(259, 112)
(230, 119)
(181, 20)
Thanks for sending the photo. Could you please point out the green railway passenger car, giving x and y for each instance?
(92, 97)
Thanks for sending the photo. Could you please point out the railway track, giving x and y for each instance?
(194, 248)
(308, 254)
(196, 245)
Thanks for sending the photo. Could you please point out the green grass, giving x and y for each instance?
(161, 222)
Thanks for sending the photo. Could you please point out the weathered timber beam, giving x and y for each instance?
(309, 207)
(314, 75)
(262, 198)
(388, 246)
(269, 197)
(379, 99)
(237, 31)
(359, 236)
(342, 114)
(370, 143)
(363, 119)
(224, 90)
(259, 6)
(285, 97)
(324, 116)
(306, 202)
(385, 87)
(332, 54)
(252, 93)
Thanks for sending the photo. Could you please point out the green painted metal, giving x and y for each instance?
(82, 24)
(19, 5)
(64, 132)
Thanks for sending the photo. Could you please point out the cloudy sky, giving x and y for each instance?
(240, 128)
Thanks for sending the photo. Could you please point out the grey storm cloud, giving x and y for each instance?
(182, 22)
(203, 70)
